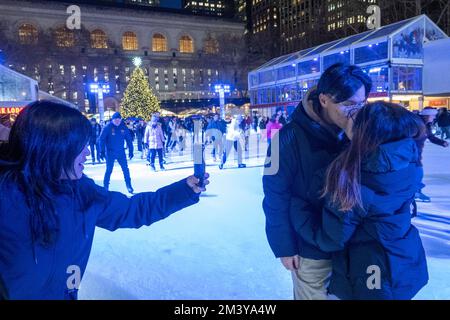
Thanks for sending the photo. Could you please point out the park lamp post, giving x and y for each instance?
(222, 89)
(100, 89)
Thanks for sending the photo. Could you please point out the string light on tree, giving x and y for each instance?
(139, 101)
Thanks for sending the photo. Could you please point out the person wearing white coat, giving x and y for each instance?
(233, 139)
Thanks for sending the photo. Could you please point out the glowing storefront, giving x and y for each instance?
(16, 91)
(392, 55)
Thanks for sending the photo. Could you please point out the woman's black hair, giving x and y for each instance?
(340, 81)
(43, 144)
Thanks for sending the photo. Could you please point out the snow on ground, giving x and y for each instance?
(217, 249)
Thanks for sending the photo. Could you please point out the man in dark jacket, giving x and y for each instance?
(428, 115)
(216, 129)
(443, 121)
(282, 119)
(112, 141)
(140, 130)
(93, 140)
(311, 141)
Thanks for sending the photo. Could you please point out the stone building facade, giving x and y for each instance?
(183, 55)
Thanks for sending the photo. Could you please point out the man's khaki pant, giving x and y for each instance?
(311, 279)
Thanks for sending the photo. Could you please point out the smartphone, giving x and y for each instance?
(199, 173)
(199, 152)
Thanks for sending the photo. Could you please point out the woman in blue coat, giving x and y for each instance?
(49, 209)
(366, 222)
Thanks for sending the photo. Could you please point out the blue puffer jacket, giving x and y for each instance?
(113, 137)
(378, 238)
(31, 271)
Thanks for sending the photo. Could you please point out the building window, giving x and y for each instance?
(117, 84)
(211, 46)
(28, 34)
(186, 44)
(73, 71)
(99, 39)
(159, 43)
(200, 73)
(129, 41)
(106, 74)
(64, 37)
(175, 76)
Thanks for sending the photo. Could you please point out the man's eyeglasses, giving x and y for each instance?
(353, 109)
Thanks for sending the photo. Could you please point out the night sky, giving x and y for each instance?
(170, 3)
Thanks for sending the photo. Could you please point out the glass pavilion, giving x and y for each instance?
(392, 55)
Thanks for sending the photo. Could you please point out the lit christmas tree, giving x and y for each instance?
(139, 101)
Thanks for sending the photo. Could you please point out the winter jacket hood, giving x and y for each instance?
(380, 236)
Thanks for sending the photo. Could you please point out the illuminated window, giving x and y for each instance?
(159, 43)
(99, 39)
(129, 41)
(64, 38)
(28, 34)
(186, 44)
(211, 46)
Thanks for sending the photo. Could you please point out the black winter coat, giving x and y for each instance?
(304, 147)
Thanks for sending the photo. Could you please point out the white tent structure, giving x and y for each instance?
(393, 56)
(436, 71)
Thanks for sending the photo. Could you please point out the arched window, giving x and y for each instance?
(159, 43)
(186, 44)
(28, 34)
(129, 41)
(211, 46)
(64, 37)
(99, 39)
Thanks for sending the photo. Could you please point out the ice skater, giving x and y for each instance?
(112, 141)
(427, 115)
(233, 140)
(154, 138)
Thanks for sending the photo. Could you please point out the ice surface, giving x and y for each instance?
(217, 249)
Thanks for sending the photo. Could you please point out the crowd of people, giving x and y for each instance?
(162, 137)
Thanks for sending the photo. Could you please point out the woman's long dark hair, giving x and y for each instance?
(43, 144)
(341, 82)
(375, 124)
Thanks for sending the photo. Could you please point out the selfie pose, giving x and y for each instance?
(49, 209)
